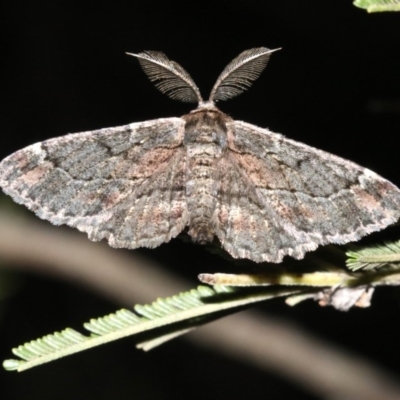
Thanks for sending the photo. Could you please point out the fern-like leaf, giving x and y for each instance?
(194, 308)
(373, 257)
(169, 77)
(171, 317)
(240, 73)
(378, 5)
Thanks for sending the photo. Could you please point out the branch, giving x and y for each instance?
(259, 340)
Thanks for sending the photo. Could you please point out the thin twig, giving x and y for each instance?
(129, 278)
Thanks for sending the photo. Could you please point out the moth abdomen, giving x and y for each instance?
(201, 232)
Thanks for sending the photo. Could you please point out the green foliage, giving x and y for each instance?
(378, 5)
(193, 308)
(168, 318)
(373, 257)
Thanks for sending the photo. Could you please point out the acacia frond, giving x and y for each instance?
(378, 5)
(373, 257)
(194, 308)
(171, 317)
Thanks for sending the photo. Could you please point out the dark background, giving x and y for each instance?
(335, 85)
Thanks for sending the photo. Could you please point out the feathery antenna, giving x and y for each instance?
(240, 73)
(169, 77)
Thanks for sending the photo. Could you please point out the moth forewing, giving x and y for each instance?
(263, 196)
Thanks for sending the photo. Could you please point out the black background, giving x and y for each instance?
(334, 85)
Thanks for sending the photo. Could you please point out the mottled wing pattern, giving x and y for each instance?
(99, 182)
(279, 197)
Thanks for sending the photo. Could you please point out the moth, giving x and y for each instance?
(262, 195)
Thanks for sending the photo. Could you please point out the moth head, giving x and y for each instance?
(170, 78)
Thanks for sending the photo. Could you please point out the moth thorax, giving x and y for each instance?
(201, 232)
(206, 126)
